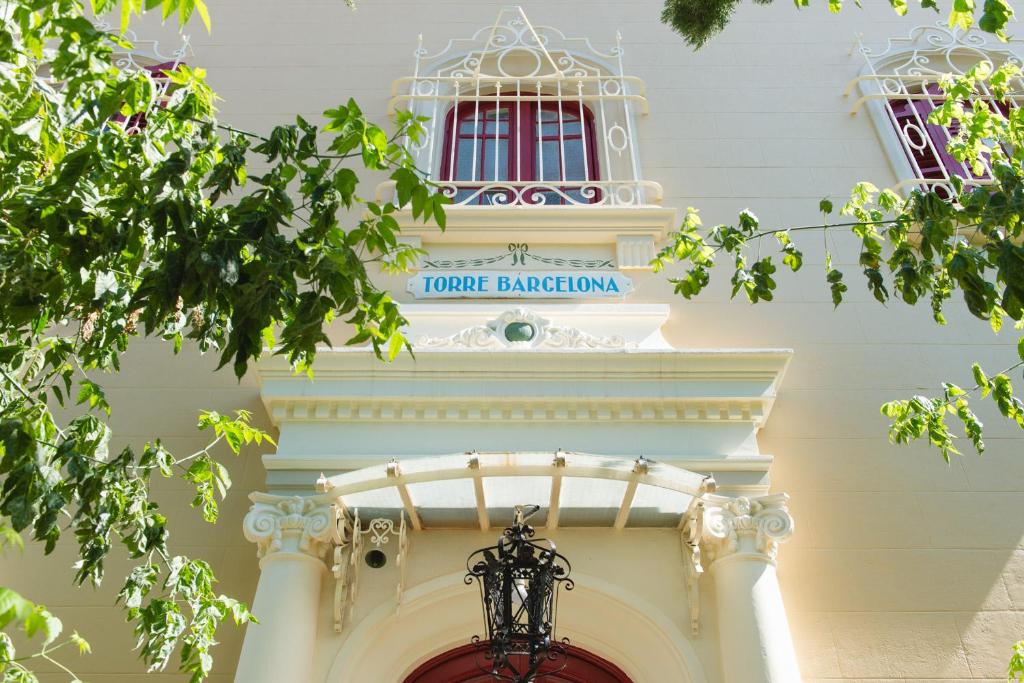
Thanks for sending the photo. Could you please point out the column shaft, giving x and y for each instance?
(753, 630)
(292, 535)
(741, 537)
(281, 647)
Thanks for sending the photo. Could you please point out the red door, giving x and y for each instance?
(460, 666)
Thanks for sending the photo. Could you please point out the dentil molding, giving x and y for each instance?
(752, 526)
(295, 524)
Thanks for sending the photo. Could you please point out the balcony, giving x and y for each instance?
(526, 127)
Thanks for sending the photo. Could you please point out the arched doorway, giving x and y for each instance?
(460, 666)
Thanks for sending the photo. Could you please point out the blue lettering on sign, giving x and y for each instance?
(533, 284)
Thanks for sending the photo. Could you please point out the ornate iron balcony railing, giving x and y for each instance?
(523, 116)
(899, 87)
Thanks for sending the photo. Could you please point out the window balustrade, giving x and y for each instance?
(900, 86)
(522, 116)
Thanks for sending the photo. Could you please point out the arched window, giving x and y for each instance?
(900, 87)
(552, 143)
(523, 116)
(926, 143)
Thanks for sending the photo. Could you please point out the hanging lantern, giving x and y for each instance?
(519, 580)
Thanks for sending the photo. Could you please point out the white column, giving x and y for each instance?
(292, 535)
(741, 537)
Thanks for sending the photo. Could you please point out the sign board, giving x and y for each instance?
(519, 284)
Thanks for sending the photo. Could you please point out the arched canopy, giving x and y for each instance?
(471, 490)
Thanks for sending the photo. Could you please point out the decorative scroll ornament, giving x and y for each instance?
(513, 63)
(348, 556)
(693, 527)
(518, 253)
(145, 53)
(296, 524)
(742, 525)
(901, 82)
(533, 332)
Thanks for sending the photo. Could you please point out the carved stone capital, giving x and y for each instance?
(291, 524)
(745, 525)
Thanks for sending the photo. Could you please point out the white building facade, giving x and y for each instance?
(717, 474)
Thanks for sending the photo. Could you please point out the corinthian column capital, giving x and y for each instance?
(291, 524)
(746, 525)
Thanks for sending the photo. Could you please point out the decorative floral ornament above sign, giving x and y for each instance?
(518, 253)
(521, 330)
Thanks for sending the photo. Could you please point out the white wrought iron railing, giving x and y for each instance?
(485, 94)
(899, 87)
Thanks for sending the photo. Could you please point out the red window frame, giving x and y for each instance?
(937, 163)
(521, 167)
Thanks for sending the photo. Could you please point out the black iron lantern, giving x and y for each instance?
(519, 581)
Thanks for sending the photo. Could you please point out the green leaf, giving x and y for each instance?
(204, 14)
(42, 621)
(980, 379)
(83, 646)
(13, 607)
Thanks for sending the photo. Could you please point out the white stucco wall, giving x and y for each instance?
(902, 567)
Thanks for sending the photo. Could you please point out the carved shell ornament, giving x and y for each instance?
(520, 329)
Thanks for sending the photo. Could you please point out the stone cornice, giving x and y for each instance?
(748, 526)
(291, 524)
(697, 386)
(719, 409)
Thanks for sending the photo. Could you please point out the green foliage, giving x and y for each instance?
(34, 621)
(1015, 671)
(697, 21)
(109, 232)
(922, 249)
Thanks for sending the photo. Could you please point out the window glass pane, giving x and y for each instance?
(489, 122)
(464, 160)
(552, 168)
(487, 172)
(574, 160)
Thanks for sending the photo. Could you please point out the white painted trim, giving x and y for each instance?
(408, 645)
(329, 462)
(542, 225)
